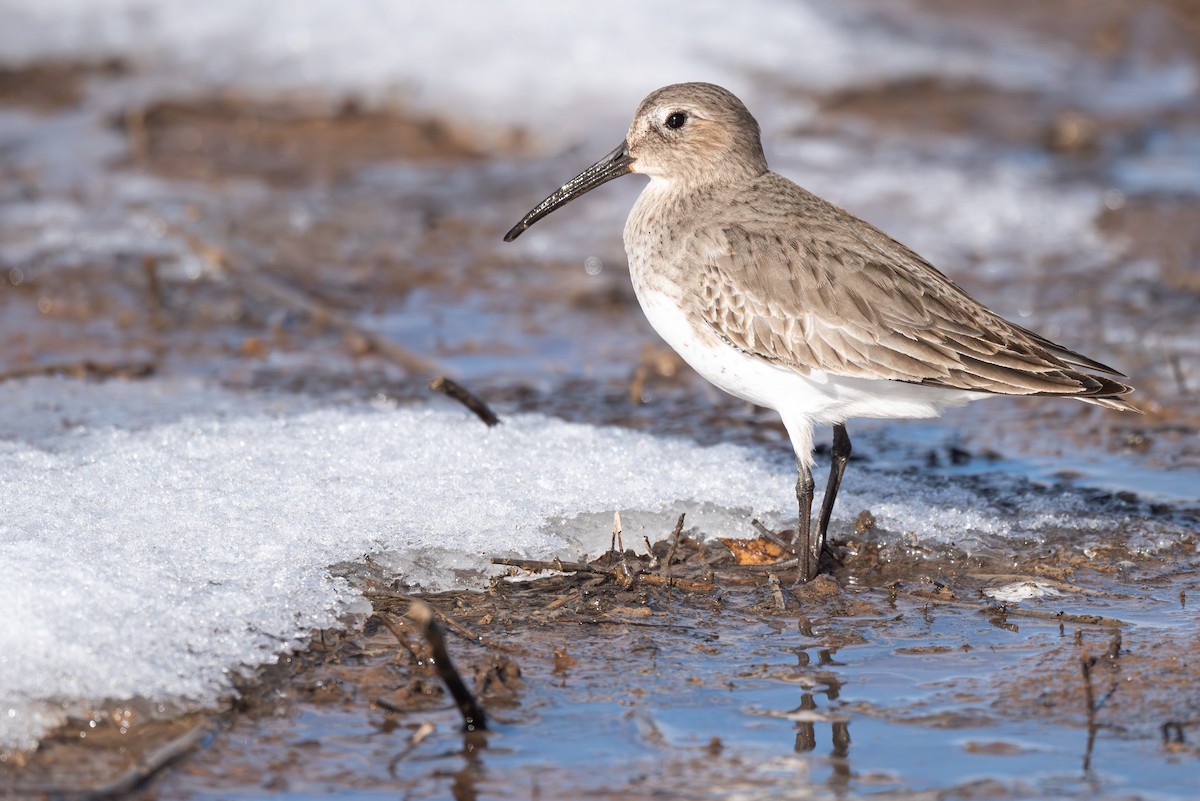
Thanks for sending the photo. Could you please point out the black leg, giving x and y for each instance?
(837, 467)
(802, 542)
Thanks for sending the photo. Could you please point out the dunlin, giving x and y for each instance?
(783, 299)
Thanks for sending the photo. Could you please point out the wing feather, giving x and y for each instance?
(801, 283)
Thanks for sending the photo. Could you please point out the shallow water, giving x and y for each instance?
(697, 699)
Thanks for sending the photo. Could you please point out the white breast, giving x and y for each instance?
(815, 396)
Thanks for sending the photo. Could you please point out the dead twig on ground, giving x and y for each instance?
(650, 552)
(453, 389)
(391, 625)
(448, 620)
(267, 286)
(84, 369)
(682, 583)
(770, 536)
(1004, 610)
(615, 573)
(543, 565)
(422, 614)
(257, 282)
(675, 535)
(777, 591)
(154, 292)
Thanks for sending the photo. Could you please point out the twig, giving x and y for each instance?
(771, 536)
(638, 385)
(561, 600)
(391, 625)
(87, 367)
(681, 583)
(474, 718)
(449, 621)
(783, 564)
(453, 389)
(1086, 663)
(153, 288)
(542, 566)
(650, 551)
(557, 565)
(135, 132)
(609, 621)
(674, 544)
(1066, 617)
(1177, 371)
(777, 591)
(262, 284)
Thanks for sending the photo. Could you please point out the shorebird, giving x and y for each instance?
(787, 301)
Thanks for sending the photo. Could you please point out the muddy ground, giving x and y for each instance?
(599, 683)
(895, 674)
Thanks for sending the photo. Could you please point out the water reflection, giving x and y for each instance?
(465, 783)
(823, 682)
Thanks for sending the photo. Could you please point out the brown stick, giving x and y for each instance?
(1016, 611)
(259, 283)
(777, 591)
(447, 620)
(769, 535)
(541, 566)
(453, 389)
(83, 368)
(674, 544)
(391, 625)
(267, 286)
(474, 718)
(669, 581)
(153, 288)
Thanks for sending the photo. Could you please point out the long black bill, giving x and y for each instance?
(614, 165)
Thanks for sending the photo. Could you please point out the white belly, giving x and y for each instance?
(800, 398)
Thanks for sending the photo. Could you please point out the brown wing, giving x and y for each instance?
(821, 289)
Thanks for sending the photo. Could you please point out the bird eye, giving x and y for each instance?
(676, 120)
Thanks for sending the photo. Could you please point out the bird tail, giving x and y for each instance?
(1107, 393)
(1113, 403)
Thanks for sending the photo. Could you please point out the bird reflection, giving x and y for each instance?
(825, 683)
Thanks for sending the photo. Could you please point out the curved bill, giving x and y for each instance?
(614, 165)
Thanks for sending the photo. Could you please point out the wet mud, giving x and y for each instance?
(686, 668)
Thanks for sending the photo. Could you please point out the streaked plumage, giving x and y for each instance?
(790, 302)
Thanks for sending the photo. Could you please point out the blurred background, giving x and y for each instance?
(198, 189)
